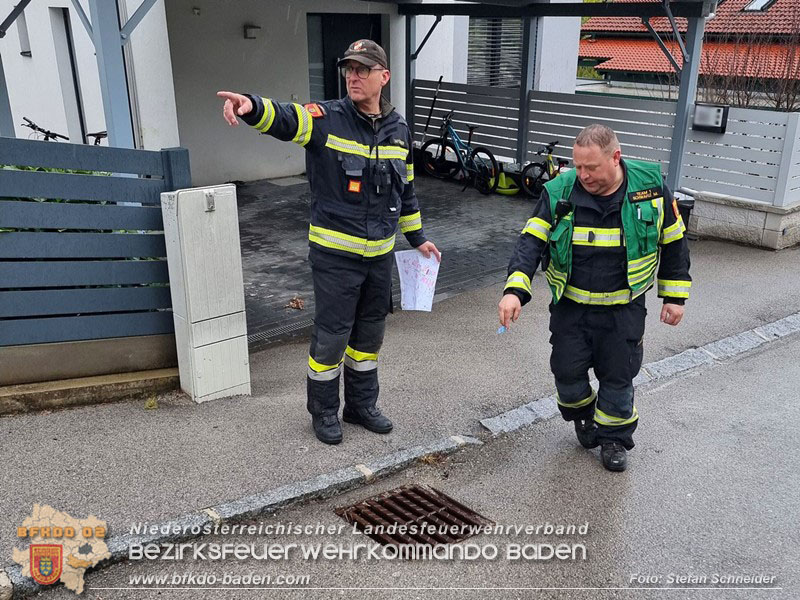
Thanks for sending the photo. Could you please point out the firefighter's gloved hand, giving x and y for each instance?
(509, 309)
(427, 247)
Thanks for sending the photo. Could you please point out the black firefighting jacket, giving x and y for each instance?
(360, 171)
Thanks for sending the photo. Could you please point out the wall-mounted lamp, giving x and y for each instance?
(251, 32)
(710, 117)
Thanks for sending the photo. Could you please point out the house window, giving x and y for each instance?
(495, 52)
(759, 5)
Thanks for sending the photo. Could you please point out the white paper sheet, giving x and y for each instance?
(417, 279)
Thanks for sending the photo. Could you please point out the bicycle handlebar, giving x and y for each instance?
(47, 133)
(548, 148)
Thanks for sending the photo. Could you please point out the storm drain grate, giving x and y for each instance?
(414, 514)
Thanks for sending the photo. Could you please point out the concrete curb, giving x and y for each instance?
(708, 354)
(6, 587)
(190, 526)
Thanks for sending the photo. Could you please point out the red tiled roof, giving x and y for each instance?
(768, 61)
(783, 17)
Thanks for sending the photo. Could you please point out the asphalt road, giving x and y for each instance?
(711, 491)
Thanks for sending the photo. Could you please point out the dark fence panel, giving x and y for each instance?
(82, 250)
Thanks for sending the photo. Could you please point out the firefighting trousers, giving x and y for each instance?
(352, 298)
(608, 339)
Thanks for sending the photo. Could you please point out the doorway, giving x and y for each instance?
(329, 35)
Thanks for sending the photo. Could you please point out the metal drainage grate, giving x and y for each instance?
(429, 516)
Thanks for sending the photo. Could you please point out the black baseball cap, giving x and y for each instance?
(367, 53)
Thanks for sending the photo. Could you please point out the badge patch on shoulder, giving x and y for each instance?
(315, 110)
(644, 195)
(354, 186)
(675, 209)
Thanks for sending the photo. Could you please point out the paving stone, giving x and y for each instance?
(273, 226)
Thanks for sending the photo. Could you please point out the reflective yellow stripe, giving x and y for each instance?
(339, 144)
(267, 118)
(633, 280)
(556, 278)
(581, 236)
(319, 372)
(390, 152)
(642, 263)
(349, 243)
(658, 203)
(674, 288)
(410, 172)
(674, 232)
(598, 298)
(347, 146)
(602, 418)
(360, 361)
(357, 355)
(411, 222)
(579, 403)
(319, 367)
(305, 124)
(538, 227)
(519, 280)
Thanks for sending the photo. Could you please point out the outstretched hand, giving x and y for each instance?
(235, 105)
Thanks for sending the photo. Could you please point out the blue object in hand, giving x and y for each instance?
(502, 329)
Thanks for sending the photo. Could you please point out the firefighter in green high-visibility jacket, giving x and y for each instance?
(359, 159)
(600, 230)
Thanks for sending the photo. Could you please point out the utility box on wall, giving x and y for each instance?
(201, 227)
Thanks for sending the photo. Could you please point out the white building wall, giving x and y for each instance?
(209, 53)
(445, 52)
(152, 89)
(181, 59)
(557, 42)
(35, 85)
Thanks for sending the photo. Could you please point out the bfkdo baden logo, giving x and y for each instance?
(46, 562)
(61, 547)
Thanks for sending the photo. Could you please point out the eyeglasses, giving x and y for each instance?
(362, 71)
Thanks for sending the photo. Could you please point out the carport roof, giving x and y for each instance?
(542, 8)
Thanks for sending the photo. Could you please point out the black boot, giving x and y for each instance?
(614, 455)
(586, 430)
(327, 428)
(369, 417)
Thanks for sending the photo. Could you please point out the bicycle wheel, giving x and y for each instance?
(439, 158)
(486, 170)
(533, 178)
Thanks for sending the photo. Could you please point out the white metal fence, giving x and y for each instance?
(757, 159)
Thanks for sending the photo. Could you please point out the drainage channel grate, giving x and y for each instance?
(428, 516)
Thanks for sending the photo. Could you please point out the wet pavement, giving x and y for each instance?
(475, 233)
(707, 510)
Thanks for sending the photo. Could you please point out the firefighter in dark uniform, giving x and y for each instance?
(359, 162)
(599, 231)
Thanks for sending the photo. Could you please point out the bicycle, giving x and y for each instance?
(97, 137)
(36, 131)
(536, 174)
(444, 159)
